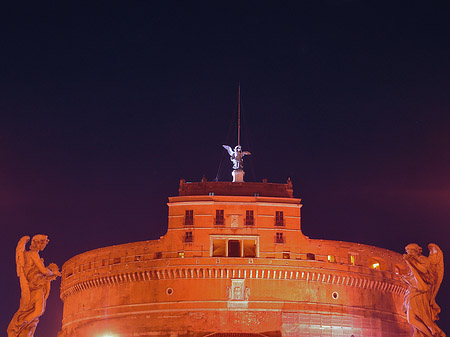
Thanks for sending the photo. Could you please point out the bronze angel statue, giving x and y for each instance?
(237, 156)
(423, 279)
(34, 278)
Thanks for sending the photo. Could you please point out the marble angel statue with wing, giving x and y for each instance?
(34, 278)
(237, 156)
(423, 279)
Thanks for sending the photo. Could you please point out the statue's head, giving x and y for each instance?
(414, 249)
(238, 148)
(39, 242)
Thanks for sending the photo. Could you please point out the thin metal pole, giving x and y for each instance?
(239, 114)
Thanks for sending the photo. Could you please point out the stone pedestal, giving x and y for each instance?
(238, 176)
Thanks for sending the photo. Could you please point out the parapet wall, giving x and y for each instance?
(144, 255)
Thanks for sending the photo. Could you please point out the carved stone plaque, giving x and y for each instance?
(238, 294)
(234, 220)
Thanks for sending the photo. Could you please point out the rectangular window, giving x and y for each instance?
(286, 255)
(188, 237)
(249, 248)
(158, 255)
(116, 260)
(234, 248)
(181, 255)
(331, 258)
(279, 218)
(249, 220)
(352, 259)
(310, 256)
(219, 247)
(189, 217)
(279, 238)
(220, 220)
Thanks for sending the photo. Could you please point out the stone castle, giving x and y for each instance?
(234, 262)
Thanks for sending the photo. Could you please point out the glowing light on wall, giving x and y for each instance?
(375, 265)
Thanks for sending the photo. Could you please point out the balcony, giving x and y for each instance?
(279, 239)
(280, 222)
(219, 221)
(189, 222)
(188, 239)
(249, 221)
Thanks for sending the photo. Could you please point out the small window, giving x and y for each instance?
(331, 258)
(374, 263)
(310, 256)
(116, 260)
(286, 255)
(220, 220)
(137, 258)
(103, 262)
(352, 259)
(188, 237)
(158, 255)
(279, 238)
(279, 218)
(181, 254)
(189, 217)
(249, 220)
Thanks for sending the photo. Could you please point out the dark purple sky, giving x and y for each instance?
(103, 108)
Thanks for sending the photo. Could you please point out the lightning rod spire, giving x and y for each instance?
(237, 155)
(239, 114)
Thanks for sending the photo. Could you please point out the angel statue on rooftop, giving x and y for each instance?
(237, 156)
(423, 279)
(35, 280)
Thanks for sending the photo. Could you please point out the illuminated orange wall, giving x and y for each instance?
(167, 287)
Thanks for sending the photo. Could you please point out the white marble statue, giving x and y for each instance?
(237, 156)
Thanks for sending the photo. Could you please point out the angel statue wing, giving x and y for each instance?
(436, 259)
(20, 264)
(229, 149)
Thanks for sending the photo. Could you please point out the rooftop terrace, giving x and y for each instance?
(263, 189)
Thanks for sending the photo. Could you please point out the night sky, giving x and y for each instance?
(105, 107)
